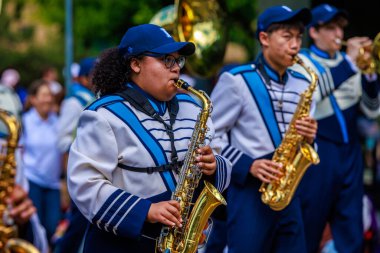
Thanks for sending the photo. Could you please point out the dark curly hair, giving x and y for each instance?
(111, 72)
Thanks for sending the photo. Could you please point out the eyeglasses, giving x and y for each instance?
(169, 60)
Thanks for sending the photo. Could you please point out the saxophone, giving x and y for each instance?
(294, 153)
(186, 239)
(9, 243)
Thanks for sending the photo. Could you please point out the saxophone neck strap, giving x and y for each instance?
(167, 167)
(141, 103)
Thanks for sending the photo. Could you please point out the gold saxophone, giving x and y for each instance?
(186, 239)
(294, 153)
(9, 243)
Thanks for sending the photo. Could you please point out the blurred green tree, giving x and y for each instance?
(32, 31)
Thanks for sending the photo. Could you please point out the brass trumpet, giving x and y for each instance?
(368, 65)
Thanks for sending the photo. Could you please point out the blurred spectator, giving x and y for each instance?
(50, 75)
(9, 100)
(41, 157)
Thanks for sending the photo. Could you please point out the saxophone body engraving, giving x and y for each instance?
(294, 153)
(194, 216)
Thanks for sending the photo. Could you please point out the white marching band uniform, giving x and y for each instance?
(112, 135)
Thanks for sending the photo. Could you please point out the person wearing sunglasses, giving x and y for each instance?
(130, 143)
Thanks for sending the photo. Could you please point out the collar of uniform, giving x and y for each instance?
(321, 53)
(272, 74)
(158, 106)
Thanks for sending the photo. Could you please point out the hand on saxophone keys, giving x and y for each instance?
(266, 170)
(22, 207)
(307, 127)
(165, 212)
(206, 160)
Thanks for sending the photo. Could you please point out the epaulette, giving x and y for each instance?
(242, 69)
(103, 101)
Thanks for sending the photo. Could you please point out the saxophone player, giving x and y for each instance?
(21, 208)
(123, 164)
(333, 190)
(253, 106)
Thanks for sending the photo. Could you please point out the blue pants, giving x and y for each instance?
(48, 204)
(333, 192)
(217, 240)
(252, 227)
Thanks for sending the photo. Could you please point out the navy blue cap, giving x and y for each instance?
(281, 14)
(152, 38)
(86, 65)
(324, 13)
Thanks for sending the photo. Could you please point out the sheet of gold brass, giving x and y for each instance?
(200, 22)
(294, 153)
(186, 239)
(9, 243)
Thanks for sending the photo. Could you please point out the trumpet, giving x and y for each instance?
(367, 65)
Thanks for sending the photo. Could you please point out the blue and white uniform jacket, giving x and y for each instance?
(248, 118)
(111, 134)
(342, 92)
(71, 108)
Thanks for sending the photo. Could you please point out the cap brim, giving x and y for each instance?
(183, 48)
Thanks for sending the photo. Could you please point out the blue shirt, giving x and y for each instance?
(41, 159)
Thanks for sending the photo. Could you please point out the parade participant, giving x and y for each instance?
(123, 163)
(333, 190)
(80, 95)
(253, 106)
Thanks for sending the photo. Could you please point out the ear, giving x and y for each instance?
(264, 38)
(313, 32)
(135, 65)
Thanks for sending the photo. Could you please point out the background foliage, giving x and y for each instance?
(32, 31)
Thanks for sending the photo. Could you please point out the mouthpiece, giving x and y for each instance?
(182, 84)
(340, 42)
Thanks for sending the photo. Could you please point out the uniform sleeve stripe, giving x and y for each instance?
(122, 206)
(107, 206)
(236, 158)
(233, 156)
(111, 210)
(227, 151)
(125, 215)
(221, 173)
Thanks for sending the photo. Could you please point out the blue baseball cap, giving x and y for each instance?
(281, 14)
(152, 38)
(86, 65)
(324, 13)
